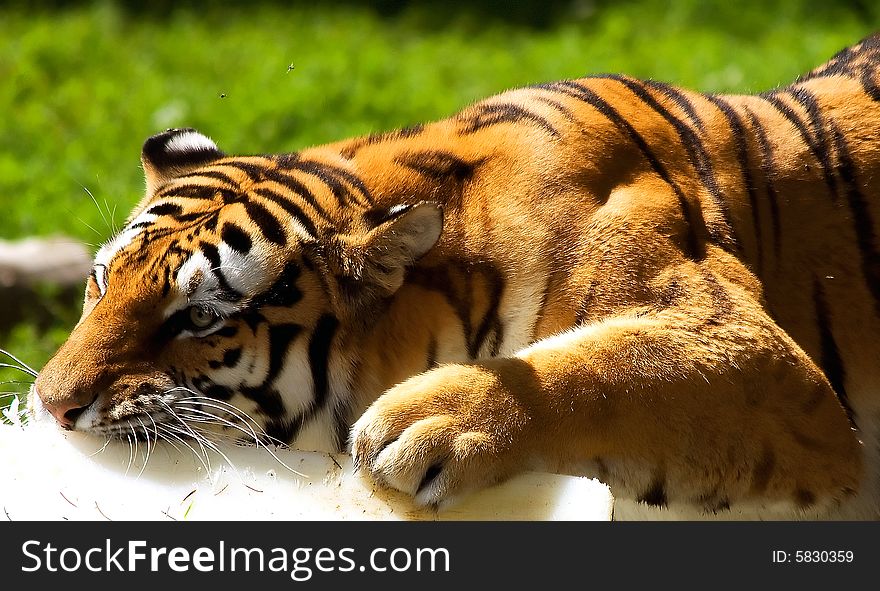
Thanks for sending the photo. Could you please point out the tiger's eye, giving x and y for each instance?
(201, 317)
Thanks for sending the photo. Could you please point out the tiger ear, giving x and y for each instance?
(174, 152)
(373, 264)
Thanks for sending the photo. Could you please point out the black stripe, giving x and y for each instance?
(253, 171)
(840, 63)
(280, 338)
(863, 222)
(438, 165)
(341, 425)
(236, 238)
(375, 138)
(266, 222)
(801, 127)
(230, 359)
(431, 355)
(490, 319)
(218, 392)
(697, 154)
(227, 292)
(808, 101)
(694, 247)
(228, 331)
(339, 189)
(655, 496)
(770, 189)
(742, 158)
(283, 292)
(192, 191)
(792, 117)
(292, 209)
(869, 83)
(295, 186)
(495, 114)
(165, 209)
(266, 396)
(269, 400)
(281, 430)
(566, 112)
(456, 283)
(210, 222)
(829, 354)
(213, 174)
(351, 179)
(319, 357)
(679, 98)
(337, 179)
(156, 233)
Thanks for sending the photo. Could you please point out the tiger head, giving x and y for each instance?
(232, 298)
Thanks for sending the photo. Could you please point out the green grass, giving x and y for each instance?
(85, 84)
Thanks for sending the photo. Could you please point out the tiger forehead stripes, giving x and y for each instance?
(675, 292)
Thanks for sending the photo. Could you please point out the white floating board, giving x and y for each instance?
(48, 474)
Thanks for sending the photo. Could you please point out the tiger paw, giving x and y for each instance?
(444, 433)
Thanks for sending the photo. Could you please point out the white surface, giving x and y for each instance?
(46, 474)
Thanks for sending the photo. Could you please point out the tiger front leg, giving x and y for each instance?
(704, 407)
(453, 429)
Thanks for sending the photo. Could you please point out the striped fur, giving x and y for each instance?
(678, 293)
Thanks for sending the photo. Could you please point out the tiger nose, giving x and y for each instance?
(65, 410)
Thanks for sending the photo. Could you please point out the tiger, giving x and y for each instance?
(674, 292)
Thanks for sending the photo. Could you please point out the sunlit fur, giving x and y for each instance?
(675, 292)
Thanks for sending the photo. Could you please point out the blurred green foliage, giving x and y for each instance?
(84, 83)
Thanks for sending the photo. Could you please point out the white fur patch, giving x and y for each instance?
(299, 229)
(101, 278)
(246, 273)
(559, 341)
(194, 277)
(190, 141)
(295, 379)
(570, 338)
(197, 284)
(106, 253)
(519, 312)
(197, 280)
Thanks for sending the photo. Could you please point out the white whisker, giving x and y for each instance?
(235, 412)
(189, 432)
(103, 447)
(203, 441)
(19, 361)
(168, 432)
(16, 382)
(251, 432)
(130, 454)
(101, 211)
(26, 370)
(149, 449)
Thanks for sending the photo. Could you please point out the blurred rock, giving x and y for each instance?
(60, 261)
(41, 282)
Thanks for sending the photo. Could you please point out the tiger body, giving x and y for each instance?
(677, 293)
